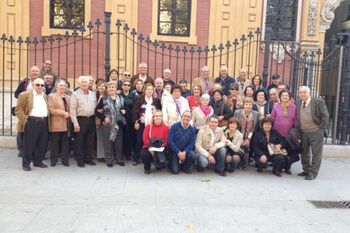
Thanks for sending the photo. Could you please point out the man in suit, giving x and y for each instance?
(204, 81)
(312, 119)
(142, 75)
(32, 113)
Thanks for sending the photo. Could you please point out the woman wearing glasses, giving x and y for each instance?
(128, 142)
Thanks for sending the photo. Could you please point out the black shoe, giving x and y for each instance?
(66, 164)
(259, 169)
(147, 172)
(304, 173)
(26, 168)
(41, 165)
(122, 164)
(100, 160)
(186, 171)
(200, 169)
(91, 163)
(311, 176)
(277, 173)
(53, 164)
(81, 164)
(220, 173)
(110, 165)
(232, 168)
(288, 171)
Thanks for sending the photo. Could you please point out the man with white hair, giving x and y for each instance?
(242, 80)
(167, 77)
(82, 111)
(313, 120)
(225, 80)
(204, 80)
(142, 75)
(159, 87)
(32, 114)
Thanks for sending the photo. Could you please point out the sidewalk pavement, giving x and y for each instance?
(123, 199)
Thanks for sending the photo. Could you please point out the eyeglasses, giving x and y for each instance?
(40, 85)
(127, 85)
(127, 75)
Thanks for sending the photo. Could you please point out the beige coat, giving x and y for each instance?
(236, 142)
(58, 123)
(199, 120)
(200, 81)
(206, 138)
(169, 110)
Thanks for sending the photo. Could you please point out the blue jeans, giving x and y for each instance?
(219, 156)
(186, 165)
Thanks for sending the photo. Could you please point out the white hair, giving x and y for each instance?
(205, 68)
(305, 88)
(59, 81)
(83, 78)
(205, 97)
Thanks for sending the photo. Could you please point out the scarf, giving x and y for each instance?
(178, 103)
(285, 107)
(205, 109)
(247, 123)
(112, 108)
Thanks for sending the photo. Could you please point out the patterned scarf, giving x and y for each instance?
(112, 108)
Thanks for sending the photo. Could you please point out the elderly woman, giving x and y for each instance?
(101, 91)
(58, 106)
(110, 110)
(143, 109)
(284, 118)
(234, 153)
(201, 114)
(174, 107)
(248, 121)
(137, 89)
(234, 100)
(128, 139)
(194, 99)
(248, 91)
(155, 130)
(221, 109)
(262, 106)
(268, 146)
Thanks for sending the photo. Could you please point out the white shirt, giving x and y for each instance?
(30, 85)
(307, 101)
(39, 105)
(143, 78)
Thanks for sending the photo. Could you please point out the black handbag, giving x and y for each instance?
(156, 142)
(120, 119)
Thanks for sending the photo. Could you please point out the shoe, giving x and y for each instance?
(277, 173)
(220, 173)
(53, 164)
(147, 172)
(135, 163)
(66, 164)
(200, 169)
(41, 165)
(110, 165)
(232, 168)
(81, 164)
(259, 169)
(187, 171)
(311, 176)
(288, 172)
(122, 164)
(304, 173)
(100, 160)
(19, 154)
(91, 163)
(26, 168)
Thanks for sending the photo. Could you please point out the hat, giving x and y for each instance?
(275, 76)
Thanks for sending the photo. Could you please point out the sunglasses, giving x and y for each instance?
(127, 85)
(40, 85)
(127, 75)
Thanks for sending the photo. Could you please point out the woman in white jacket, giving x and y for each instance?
(201, 114)
(174, 106)
(234, 154)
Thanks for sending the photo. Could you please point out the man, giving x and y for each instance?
(225, 80)
(142, 68)
(275, 81)
(167, 77)
(91, 83)
(32, 114)
(184, 90)
(47, 69)
(82, 110)
(243, 81)
(48, 79)
(125, 77)
(158, 90)
(313, 120)
(204, 80)
(210, 145)
(181, 141)
(273, 96)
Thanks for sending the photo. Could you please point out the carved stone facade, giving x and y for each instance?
(327, 14)
(312, 19)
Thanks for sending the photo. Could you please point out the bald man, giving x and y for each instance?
(32, 114)
(242, 80)
(313, 119)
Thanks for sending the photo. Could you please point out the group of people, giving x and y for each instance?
(225, 123)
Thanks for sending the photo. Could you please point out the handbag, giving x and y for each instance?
(120, 119)
(272, 151)
(158, 157)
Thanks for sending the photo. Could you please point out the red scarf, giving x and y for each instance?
(206, 110)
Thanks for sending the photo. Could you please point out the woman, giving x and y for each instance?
(284, 118)
(100, 93)
(262, 106)
(221, 109)
(201, 114)
(58, 106)
(137, 89)
(257, 83)
(143, 109)
(248, 91)
(248, 121)
(234, 153)
(265, 138)
(235, 100)
(156, 130)
(113, 121)
(128, 140)
(166, 93)
(194, 99)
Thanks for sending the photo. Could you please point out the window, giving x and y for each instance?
(282, 16)
(67, 14)
(174, 17)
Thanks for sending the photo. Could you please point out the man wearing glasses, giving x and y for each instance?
(142, 69)
(47, 70)
(32, 114)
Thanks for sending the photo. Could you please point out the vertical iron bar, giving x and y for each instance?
(155, 44)
(257, 32)
(97, 23)
(51, 40)
(35, 42)
(213, 65)
(133, 33)
(11, 40)
(126, 29)
(66, 36)
(235, 43)
(243, 39)
(141, 38)
(184, 50)
(163, 47)
(148, 41)
(119, 24)
(74, 55)
(107, 45)
(27, 48)
(19, 41)
(82, 49)
(228, 45)
(191, 73)
(177, 50)
(170, 48)
(43, 41)
(199, 50)
(90, 26)
(3, 38)
(59, 38)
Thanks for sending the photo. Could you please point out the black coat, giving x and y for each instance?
(221, 109)
(138, 111)
(259, 143)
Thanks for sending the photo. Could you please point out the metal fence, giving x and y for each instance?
(101, 45)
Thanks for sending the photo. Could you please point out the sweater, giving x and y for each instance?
(181, 139)
(281, 123)
(158, 131)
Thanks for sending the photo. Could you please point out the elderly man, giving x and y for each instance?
(47, 69)
(243, 81)
(82, 110)
(142, 75)
(158, 90)
(181, 141)
(225, 80)
(313, 120)
(167, 77)
(273, 96)
(48, 79)
(32, 114)
(210, 145)
(204, 80)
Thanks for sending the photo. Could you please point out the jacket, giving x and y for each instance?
(259, 142)
(58, 123)
(199, 120)
(200, 81)
(203, 140)
(136, 76)
(169, 110)
(319, 112)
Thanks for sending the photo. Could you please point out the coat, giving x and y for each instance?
(260, 141)
(136, 76)
(200, 81)
(58, 123)
(199, 120)
(204, 137)
(319, 112)
(169, 110)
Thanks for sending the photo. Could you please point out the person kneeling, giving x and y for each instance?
(235, 153)
(210, 145)
(268, 147)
